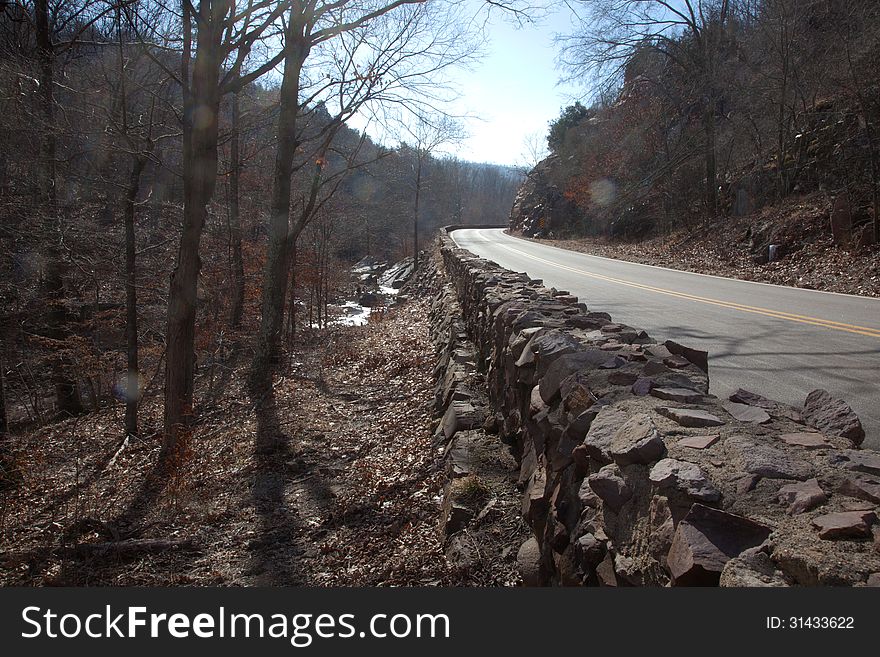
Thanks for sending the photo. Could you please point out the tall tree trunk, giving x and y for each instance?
(67, 395)
(200, 131)
(275, 274)
(235, 217)
(132, 378)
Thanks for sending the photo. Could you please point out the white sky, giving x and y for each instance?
(512, 91)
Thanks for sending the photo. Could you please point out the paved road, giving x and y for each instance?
(778, 341)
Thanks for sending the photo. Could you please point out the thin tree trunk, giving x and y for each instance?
(199, 180)
(275, 274)
(132, 393)
(68, 400)
(235, 217)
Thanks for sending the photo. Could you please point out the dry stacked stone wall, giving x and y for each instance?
(630, 473)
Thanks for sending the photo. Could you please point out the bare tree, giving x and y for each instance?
(425, 134)
(689, 33)
(373, 53)
(218, 30)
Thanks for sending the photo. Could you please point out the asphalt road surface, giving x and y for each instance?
(780, 342)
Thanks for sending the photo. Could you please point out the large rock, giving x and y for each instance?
(610, 487)
(864, 487)
(528, 561)
(769, 462)
(845, 525)
(705, 540)
(684, 477)
(802, 496)
(637, 441)
(542, 348)
(566, 365)
(597, 442)
(833, 416)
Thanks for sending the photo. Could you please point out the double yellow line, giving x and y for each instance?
(778, 314)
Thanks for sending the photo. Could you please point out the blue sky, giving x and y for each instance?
(510, 95)
(514, 89)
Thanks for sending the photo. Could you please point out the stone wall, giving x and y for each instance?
(630, 472)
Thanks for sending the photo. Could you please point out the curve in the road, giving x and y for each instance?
(778, 341)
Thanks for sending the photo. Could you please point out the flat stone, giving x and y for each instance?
(873, 580)
(863, 487)
(804, 439)
(695, 356)
(857, 505)
(802, 496)
(705, 540)
(833, 416)
(846, 524)
(698, 442)
(610, 487)
(688, 417)
(769, 462)
(742, 396)
(746, 413)
(657, 351)
(685, 477)
(637, 441)
(862, 461)
(682, 395)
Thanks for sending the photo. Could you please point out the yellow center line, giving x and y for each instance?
(777, 314)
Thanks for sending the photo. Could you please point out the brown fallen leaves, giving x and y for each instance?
(332, 480)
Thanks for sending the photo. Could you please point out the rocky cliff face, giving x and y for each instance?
(630, 472)
(540, 208)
